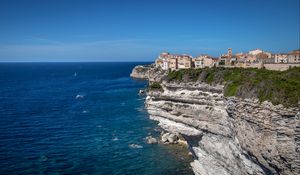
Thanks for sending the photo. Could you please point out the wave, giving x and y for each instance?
(79, 96)
(115, 139)
(135, 146)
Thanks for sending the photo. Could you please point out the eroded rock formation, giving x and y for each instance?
(228, 136)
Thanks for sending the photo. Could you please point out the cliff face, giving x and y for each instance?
(227, 136)
(140, 72)
(149, 72)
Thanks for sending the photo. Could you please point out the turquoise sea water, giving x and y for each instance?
(78, 118)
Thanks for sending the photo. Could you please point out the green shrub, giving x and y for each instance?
(175, 75)
(155, 86)
(230, 89)
(274, 86)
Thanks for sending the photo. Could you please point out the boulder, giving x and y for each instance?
(169, 138)
(141, 92)
(151, 140)
(173, 138)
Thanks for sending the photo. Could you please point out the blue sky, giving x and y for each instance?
(119, 30)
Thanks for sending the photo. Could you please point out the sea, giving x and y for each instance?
(79, 118)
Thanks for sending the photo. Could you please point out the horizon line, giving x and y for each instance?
(74, 62)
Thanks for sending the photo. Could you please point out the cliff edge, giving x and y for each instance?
(226, 134)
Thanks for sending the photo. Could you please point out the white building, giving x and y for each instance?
(281, 58)
(258, 51)
(255, 52)
(165, 65)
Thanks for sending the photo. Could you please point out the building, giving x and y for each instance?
(233, 61)
(294, 56)
(229, 53)
(281, 58)
(166, 61)
(215, 61)
(225, 59)
(203, 61)
(199, 62)
(228, 57)
(259, 55)
(208, 61)
(240, 55)
(165, 64)
(222, 60)
(159, 62)
(184, 61)
(255, 52)
(259, 51)
(251, 59)
(172, 61)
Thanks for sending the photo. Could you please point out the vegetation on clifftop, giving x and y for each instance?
(274, 86)
(155, 86)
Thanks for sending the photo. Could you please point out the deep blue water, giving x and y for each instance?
(45, 129)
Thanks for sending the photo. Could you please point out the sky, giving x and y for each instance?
(138, 30)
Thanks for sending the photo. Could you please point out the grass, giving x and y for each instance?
(274, 86)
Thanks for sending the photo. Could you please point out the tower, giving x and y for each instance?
(228, 57)
(229, 53)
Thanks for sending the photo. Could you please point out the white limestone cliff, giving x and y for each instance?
(228, 136)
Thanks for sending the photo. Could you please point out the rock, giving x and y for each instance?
(141, 92)
(227, 135)
(169, 138)
(164, 137)
(151, 140)
(140, 72)
(173, 138)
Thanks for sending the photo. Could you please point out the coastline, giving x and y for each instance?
(227, 135)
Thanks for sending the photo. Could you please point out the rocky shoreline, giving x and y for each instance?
(226, 135)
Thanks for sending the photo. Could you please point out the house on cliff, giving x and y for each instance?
(159, 62)
(294, 56)
(281, 58)
(259, 55)
(173, 61)
(185, 61)
(205, 60)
